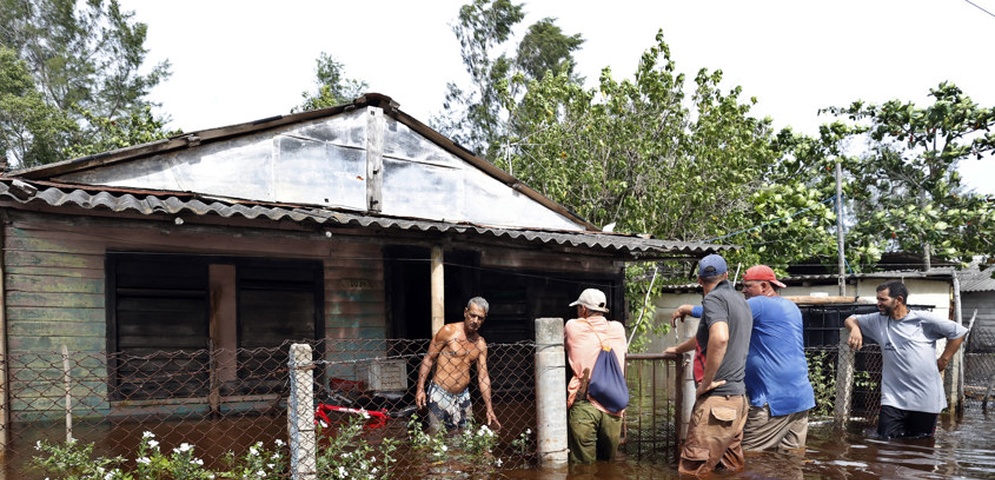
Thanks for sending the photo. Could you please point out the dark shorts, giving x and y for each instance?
(897, 423)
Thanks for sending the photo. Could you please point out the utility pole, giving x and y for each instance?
(839, 227)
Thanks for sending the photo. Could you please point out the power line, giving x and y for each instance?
(979, 7)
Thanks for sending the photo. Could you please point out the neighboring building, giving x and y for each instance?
(317, 225)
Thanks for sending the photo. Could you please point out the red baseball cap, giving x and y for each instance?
(761, 273)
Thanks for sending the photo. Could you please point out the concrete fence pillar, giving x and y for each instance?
(844, 380)
(689, 394)
(300, 414)
(551, 393)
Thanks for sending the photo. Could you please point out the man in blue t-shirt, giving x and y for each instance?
(776, 380)
(911, 386)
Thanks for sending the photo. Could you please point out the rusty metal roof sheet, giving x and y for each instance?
(179, 203)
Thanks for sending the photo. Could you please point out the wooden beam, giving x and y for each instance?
(438, 290)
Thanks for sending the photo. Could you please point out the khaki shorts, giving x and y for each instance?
(715, 435)
(786, 433)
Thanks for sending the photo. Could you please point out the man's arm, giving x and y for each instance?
(952, 345)
(856, 339)
(484, 382)
(718, 341)
(434, 349)
(683, 347)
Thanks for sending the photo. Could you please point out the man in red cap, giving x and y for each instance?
(777, 382)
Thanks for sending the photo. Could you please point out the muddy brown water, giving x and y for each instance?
(963, 448)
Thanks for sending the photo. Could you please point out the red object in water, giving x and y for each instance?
(374, 418)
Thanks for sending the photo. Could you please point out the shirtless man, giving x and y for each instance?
(456, 346)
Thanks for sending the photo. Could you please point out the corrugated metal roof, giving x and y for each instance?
(979, 280)
(177, 203)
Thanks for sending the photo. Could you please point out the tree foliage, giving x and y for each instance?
(476, 115)
(334, 88)
(905, 191)
(86, 62)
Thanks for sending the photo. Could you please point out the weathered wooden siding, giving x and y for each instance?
(55, 280)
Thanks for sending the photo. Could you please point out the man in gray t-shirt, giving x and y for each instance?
(715, 433)
(911, 387)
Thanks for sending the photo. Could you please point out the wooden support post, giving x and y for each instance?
(66, 371)
(438, 290)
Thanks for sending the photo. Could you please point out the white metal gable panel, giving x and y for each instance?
(325, 162)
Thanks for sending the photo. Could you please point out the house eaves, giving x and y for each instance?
(16, 192)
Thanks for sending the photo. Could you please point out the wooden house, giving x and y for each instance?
(352, 222)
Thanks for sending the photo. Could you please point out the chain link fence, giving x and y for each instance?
(228, 401)
(979, 365)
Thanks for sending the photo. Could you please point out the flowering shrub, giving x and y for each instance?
(74, 460)
(346, 454)
(350, 455)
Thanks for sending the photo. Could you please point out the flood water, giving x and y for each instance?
(964, 449)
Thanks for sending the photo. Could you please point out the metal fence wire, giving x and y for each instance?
(227, 401)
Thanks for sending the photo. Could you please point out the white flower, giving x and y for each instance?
(342, 472)
(143, 460)
(110, 475)
(271, 466)
(185, 447)
(279, 442)
(153, 443)
(374, 471)
(148, 434)
(38, 445)
(198, 461)
(445, 447)
(261, 473)
(498, 462)
(528, 431)
(253, 450)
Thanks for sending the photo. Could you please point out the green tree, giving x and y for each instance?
(477, 115)
(29, 127)
(85, 60)
(905, 191)
(334, 88)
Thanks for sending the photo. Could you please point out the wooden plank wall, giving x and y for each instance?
(55, 288)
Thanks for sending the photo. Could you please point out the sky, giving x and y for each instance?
(239, 61)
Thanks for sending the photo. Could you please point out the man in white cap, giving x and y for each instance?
(593, 431)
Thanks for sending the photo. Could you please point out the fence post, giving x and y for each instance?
(689, 394)
(67, 376)
(844, 380)
(300, 414)
(551, 394)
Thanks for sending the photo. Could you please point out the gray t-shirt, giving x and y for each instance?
(723, 304)
(910, 379)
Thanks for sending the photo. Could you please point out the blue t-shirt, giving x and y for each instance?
(776, 367)
(910, 379)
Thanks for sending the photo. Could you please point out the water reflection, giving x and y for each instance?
(961, 449)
